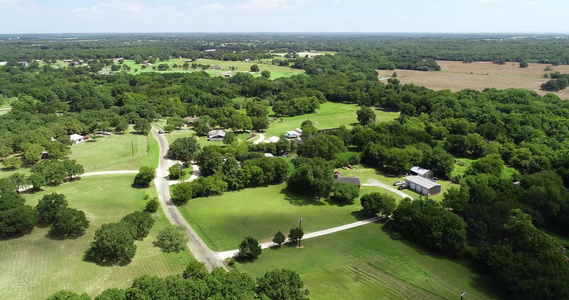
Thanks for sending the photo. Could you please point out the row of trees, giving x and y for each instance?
(197, 282)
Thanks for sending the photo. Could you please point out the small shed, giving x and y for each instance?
(188, 61)
(216, 135)
(269, 155)
(352, 180)
(418, 171)
(217, 67)
(422, 185)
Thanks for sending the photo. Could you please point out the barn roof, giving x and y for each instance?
(418, 180)
(419, 170)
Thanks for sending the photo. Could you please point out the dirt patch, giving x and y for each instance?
(456, 76)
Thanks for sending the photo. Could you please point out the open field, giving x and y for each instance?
(461, 165)
(329, 115)
(35, 266)
(456, 76)
(114, 152)
(365, 263)
(307, 54)
(241, 66)
(223, 221)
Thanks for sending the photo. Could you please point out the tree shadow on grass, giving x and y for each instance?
(299, 200)
(58, 237)
(360, 215)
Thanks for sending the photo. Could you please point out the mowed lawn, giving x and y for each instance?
(365, 263)
(35, 266)
(223, 221)
(114, 152)
(329, 115)
(456, 76)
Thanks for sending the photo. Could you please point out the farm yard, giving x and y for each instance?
(35, 266)
(456, 76)
(366, 263)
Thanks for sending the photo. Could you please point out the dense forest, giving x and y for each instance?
(497, 221)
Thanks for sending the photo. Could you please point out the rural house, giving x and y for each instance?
(422, 186)
(216, 135)
(217, 67)
(418, 171)
(190, 120)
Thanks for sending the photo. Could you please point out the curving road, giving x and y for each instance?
(199, 249)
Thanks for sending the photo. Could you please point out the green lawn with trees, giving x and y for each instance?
(114, 152)
(366, 263)
(329, 115)
(223, 221)
(35, 266)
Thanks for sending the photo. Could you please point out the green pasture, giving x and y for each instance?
(223, 221)
(240, 66)
(329, 115)
(35, 266)
(114, 152)
(365, 263)
(462, 164)
(7, 173)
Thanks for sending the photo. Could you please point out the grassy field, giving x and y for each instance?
(456, 76)
(114, 152)
(224, 221)
(241, 66)
(365, 263)
(329, 115)
(462, 164)
(35, 266)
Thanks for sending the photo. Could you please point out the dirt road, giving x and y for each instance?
(199, 249)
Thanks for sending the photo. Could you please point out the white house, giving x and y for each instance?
(76, 138)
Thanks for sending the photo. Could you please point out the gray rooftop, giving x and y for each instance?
(352, 180)
(419, 170)
(418, 180)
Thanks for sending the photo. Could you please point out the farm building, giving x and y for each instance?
(216, 135)
(227, 75)
(269, 155)
(188, 61)
(352, 180)
(217, 67)
(418, 171)
(292, 134)
(422, 186)
(3, 63)
(247, 60)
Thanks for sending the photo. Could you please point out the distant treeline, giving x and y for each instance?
(497, 48)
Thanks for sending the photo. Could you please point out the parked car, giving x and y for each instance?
(399, 183)
(402, 187)
(160, 131)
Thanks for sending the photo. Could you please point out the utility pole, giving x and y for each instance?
(300, 227)
(132, 146)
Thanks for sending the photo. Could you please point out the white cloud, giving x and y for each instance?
(215, 7)
(265, 6)
(336, 1)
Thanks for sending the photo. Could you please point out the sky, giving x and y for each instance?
(430, 16)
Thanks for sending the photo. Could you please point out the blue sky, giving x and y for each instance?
(63, 16)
